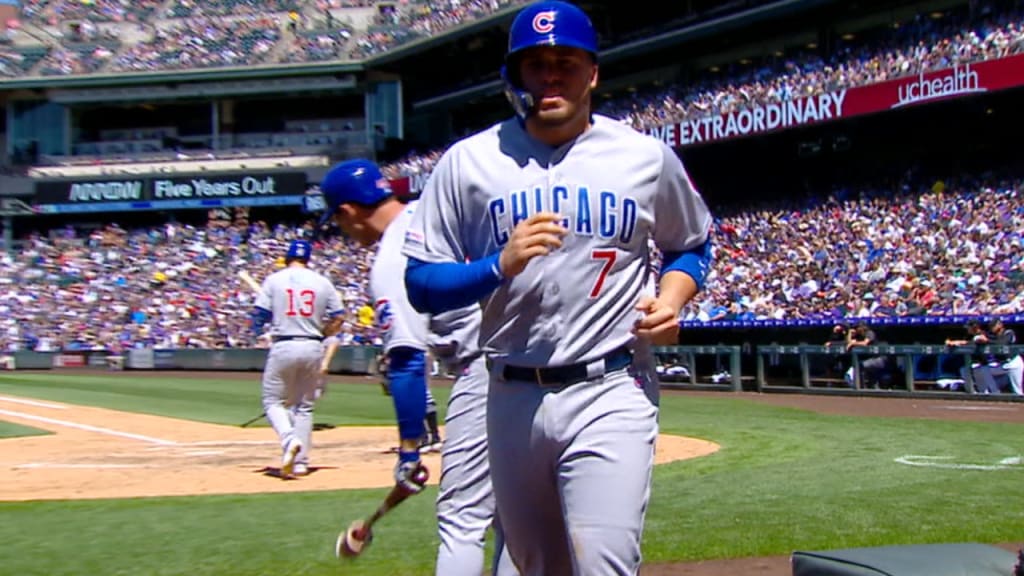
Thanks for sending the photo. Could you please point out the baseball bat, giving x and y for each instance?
(249, 280)
(251, 420)
(352, 541)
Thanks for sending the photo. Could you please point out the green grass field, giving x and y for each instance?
(784, 480)
(11, 430)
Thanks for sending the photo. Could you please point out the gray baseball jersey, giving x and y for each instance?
(454, 337)
(399, 322)
(299, 299)
(615, 187)
(465, 504)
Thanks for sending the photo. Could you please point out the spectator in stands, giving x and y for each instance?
(981, 360)
(838, 339)
(1011, 363)
(874, 370)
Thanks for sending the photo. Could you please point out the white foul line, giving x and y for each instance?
(89, 428)
(229, 443)
(33, 465)
(32, 403)
(937, 462)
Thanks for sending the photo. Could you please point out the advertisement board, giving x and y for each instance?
(160, 192)
(955, 82)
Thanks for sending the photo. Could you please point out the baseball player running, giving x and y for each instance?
(544, 219)
(359, 201)
(295, 300)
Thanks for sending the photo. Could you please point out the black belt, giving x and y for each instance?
(556, 375)
(277, 339)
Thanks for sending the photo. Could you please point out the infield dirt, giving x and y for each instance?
(99, 453)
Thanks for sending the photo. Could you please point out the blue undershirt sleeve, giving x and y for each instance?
(695, 262)
(259, 318)
(439, 287)
(407, 378)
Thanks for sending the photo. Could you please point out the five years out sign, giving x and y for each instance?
(160, 191)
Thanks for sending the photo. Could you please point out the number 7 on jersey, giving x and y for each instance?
(608, 256)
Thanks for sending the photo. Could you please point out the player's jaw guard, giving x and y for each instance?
(522, 101)
(549, 23)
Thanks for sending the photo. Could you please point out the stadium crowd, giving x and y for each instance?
(193, 34)
(859, 253)
(953, 248)
(53, 13)
(203, 43)
(922, 44)
(919, 46)
(170, 286)
(420, 20)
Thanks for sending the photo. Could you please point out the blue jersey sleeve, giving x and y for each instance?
(407, 377)
(439, 287)
(695, 262)
(260, 317)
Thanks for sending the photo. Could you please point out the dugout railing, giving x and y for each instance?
(713, 367)
(907, 367)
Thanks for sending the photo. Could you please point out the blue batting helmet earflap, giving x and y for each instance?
(299, 250)
(356, 181)
(547, 23)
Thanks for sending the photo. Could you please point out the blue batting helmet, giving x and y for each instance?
(299, 250)
(548, 23)
(552, 23)
(356, 181)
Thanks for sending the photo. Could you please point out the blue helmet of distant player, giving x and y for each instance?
(357, 181)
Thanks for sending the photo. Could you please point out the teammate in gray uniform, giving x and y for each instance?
(358, 199)
(544, 219)
(296, 301)
(465, 499)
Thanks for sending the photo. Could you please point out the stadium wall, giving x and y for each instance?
(347, 360)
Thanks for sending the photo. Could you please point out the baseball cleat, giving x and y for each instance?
(288, 460)
(432, 445)
(300, 470)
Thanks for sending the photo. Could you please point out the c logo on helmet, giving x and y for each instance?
(384, 315)
(544, 22)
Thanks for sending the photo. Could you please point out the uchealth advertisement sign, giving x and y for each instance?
(163, 192)
(958, 81)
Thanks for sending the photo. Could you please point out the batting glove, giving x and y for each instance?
(409, 472)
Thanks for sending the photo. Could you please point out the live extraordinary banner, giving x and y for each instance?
(958, 81)
(170, 188)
